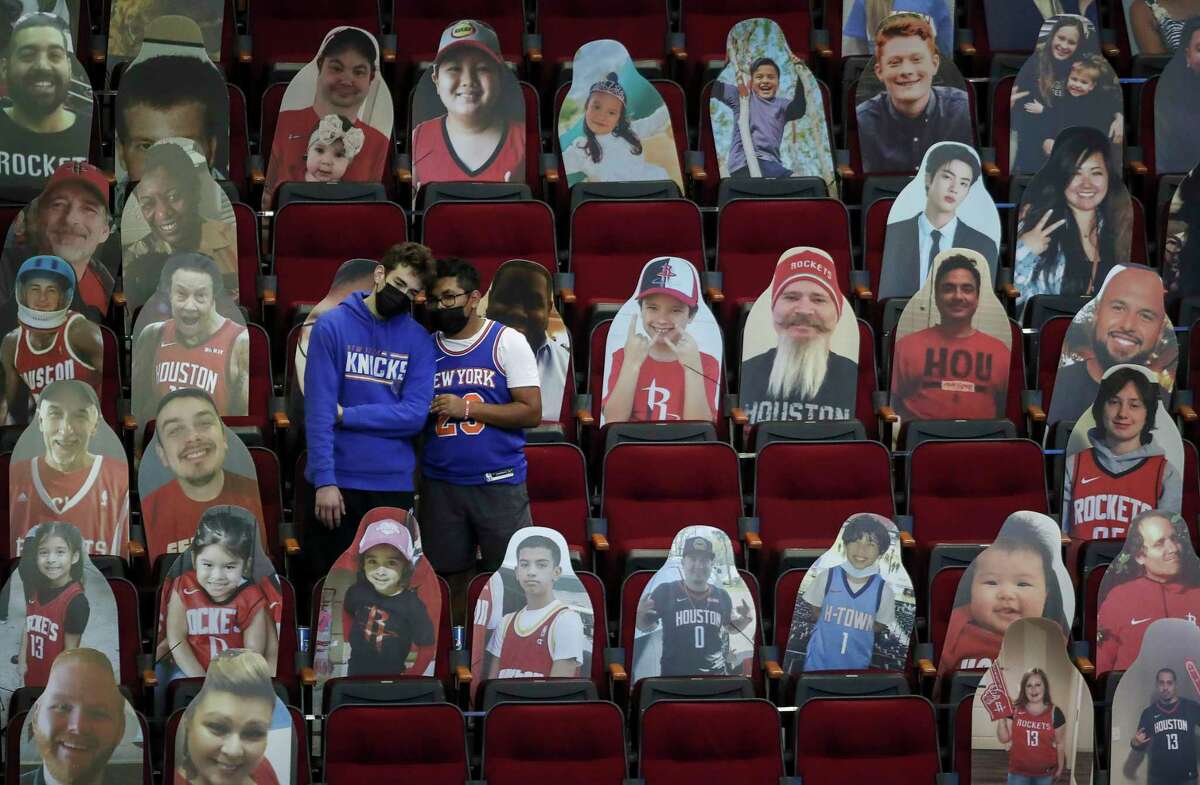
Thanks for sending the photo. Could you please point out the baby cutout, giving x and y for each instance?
(855, 609)
(534, 617)
(57, 601)
(1124, 457)
(1156, 708)
(1156, 576)
(1020, 575)
(1032, 713)
(767, 102)
(613, 125)
(953, 345)
(696, 617)
(664, 349)
(331, 149)
(380, 604)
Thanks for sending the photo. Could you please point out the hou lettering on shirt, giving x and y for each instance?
(176, 374)
(375, 365)
(1171, 724)
(465, 377)
(959, 364)
(43, 377)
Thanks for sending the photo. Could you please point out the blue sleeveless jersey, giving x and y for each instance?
(844, 635)
(466, 452)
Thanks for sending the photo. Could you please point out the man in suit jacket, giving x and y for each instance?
(951, 170)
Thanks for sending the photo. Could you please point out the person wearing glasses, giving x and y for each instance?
(368, 385)
(486, 390)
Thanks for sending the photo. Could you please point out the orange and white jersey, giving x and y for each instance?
(94, 500)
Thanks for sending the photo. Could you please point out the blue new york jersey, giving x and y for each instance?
(466, 452)
(844, 635)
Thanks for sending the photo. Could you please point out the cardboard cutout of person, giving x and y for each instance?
(171, 90)
(1177, 103)
(47, 120)
(908, 97)
(767, 113)
(522, 297)
(339, 99)
(945, 206)
(861, 18)
(953, 345)
(1156, 27)
(1156, 576)
(380, 604)
(51, 342)
(177, 207)
(69, 466)
(1019, 576)
(613, 125)
(856, 608)
(195, 463)
(696, 617)
(221, 593)
(1156, 708)
(1125, 323)
(1066, 82)
(468, 112)
(131, 23)
(800, 344)
(190, 334)
(534, 618)
(1031, 720)
(1075, 220)
(1013, 25)
(57, 601)
(70, 219)
(82, 685)
(66, 10)
(1124, 457)
(663, 356)
(236, 706)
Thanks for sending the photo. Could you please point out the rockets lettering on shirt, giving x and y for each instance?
(42, 625)
(212, 621)
(1108, 507)
(375, 365)
(1027, 724)
(465, 377)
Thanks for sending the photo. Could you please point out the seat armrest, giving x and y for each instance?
(923, 656)
(819, 41)
(598, 533)
(548, 167)
(1031, 401)
(582, 406)
(614, 663)
(860, 284)
(532, 44)
(769, 657)
(677, 46)
(966, 43)
(268, 289)
(403, 168)
(245, 49)
(99, 47)
(564, 284)
(693, 161)
(258, 169)
(388, 48)
(883, 407)
(748, 531)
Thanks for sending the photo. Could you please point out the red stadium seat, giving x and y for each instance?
(962, 491)
(423, 743)
(891, 740)
(558, 493)
(249, 262)
(787, 587)
(239, 137)
(1049, 344)
(641, 25)
(288, 32)
(706, 24)
(606, 263)
(270, 494)
(874, 236)
(499, 231)
(711, 742)
(313, 239)
(272, 99)
(422, 23)
(580, 743)
(652, 491)
(110, 382)
(943, 588)
(129, 633)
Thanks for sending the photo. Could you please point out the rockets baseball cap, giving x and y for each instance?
(469, 32)
(79, 173)
(806, 264)
(699, 546)
(387, 532)
(670, 275)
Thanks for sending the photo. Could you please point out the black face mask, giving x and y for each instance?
(449, 320)
(390, 301)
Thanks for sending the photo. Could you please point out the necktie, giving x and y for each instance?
(935, 247)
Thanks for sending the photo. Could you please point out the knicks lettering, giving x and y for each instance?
(697, 616)
(959, 364)
(465, 377)
(848, 617)
(32, 164)
(40, 378)
(42, 625)
(212, 621)
(376, 367)
(1164, 725)
(178, 374)
(1107, 507)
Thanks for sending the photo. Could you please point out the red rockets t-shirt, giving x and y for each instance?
(214, 627)
(659, 394)
(1104, 504)
(968, 646)
(1033, 751)
(94, 500)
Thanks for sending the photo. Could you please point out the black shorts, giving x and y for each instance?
(457, 519)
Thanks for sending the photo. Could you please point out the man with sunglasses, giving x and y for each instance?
(368, 384)
(486, 390)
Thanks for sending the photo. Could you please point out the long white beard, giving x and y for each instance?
(799, 368)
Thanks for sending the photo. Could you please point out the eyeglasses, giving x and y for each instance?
(447, 300)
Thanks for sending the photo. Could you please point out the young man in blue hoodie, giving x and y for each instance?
(368, 385)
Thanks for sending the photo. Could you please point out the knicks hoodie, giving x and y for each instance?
(381, 372)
